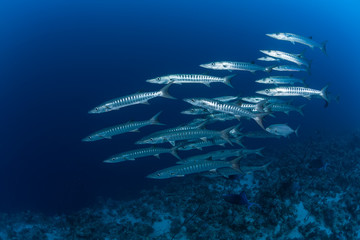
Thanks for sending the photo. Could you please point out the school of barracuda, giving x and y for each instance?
(194, 135)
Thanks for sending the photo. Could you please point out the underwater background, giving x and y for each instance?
(59, 59)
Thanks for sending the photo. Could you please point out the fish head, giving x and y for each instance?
(279, 36)
(114, 159)
(267, 92)
(91, 138)
(100, 109)
(271, 53)
(160, 80)
(214, 65)
(162, 174)
(264, 80)
(199, 102)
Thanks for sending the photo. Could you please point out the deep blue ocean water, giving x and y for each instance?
(60, 59)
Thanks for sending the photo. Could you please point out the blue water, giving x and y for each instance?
(60, 59)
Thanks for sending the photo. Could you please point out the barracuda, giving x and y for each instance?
(237, 66)
(280, 80)
(285, 108)
(139, 153)
(215, 155)
(172, 137)
(226, 172)
(290, 68)
(226, 98)
(195, 111)
(257, 99)
(232, 109)
(268, 59)
(201, 144)
(137, 98)
(108, 133)
(293, 38)
(295, 58)
(186, 169)
(191, 78)
(296, 91)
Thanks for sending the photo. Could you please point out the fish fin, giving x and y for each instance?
(286, 112)
(323, 47)
(235, 164)
(237, 117)
(265, 167)
(292, 42)
(270, 68)
(175, 153)
(203, 139)
(198, 148)
(207, 84)
(165, 93)
(146, 103)
(213, 170)
(228, 80)
(230, 70)
(155, 121)
(260, 106)
(296, 131)
(172, 143)
(259, 117)
(135, 130)
(324, 95)
(106, 137)
(157, 156)
(224, 134)
(307, 97)
(258, 152)
(300, 109)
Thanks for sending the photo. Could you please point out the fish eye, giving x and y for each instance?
(193, 100)
(213, 64)
(267, 90)
(96, 108)
(158, 79)
(89, 137)
(192, 110)
(158, 174)
(113, 159)
(151, 139)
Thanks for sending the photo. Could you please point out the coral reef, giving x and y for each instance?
(298, 200)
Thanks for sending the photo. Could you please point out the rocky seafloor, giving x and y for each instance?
(297, 201)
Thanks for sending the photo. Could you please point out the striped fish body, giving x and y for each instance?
(280, 80)
(215, 155)
(138, 153)
(201, 144)
(109, 132)
(190, 78)
(295, 58)
(235, 66)
(133, 99)
(286, 108)
(186, 169)
(226, 172)
(290, 68)
(226, 98)
(195, 111)
(222, 117)
(295, 91)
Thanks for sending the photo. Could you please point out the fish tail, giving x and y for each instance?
(238, 141)
(296, 131)
(228, 80)
(165, 93)
(323, 47)
(155, 121)
(265, 167)
(270, 68)
(235, 164)
(174, 152)
(258, 152)
(324, 95)
(259, 117)
(300, 109)
(225, 134)
(260, 106)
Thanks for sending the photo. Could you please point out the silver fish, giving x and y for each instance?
(137, 98)
(268, 59)
(108, 133)
(285, 108)
(232, 109)
(237, 66)
(257, 99)
(281, 130)
(290, 68)
(185, 169)
(201, 144)
(191, 78)
(280, 80)
(195, 111)
(139, 153)
(172, 137)
(296, 91)
(226, 98)
(295, 58)
(226, 172)
(293, 38)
